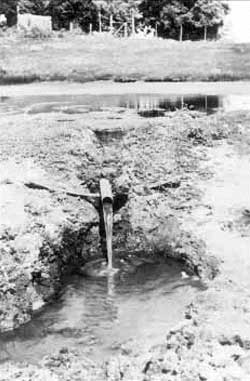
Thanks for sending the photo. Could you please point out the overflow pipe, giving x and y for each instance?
(107, 207)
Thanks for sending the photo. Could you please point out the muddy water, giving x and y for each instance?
(95, 315)
(82, 104)
(146, 105)
(160, 97)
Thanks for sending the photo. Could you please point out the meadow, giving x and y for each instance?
(83, 58)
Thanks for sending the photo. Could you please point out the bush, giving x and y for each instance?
(199, 135)
(36, 33)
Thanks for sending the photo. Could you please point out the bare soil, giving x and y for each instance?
(112, 88)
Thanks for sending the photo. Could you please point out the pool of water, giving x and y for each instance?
(142, 301)
(143, 103)
(82, 104)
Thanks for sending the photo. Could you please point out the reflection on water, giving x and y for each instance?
(81, 104)
(95, 315)
(142, 103)
(206, 103)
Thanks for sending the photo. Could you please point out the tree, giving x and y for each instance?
(37, 7)
(175, 14)
(9, 8)
(117, 12)
(169, 15)
(84, 12)
(120, 10)
(208, 13)
(172, 15)
(151, 12)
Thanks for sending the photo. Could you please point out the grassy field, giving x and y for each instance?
(87, 58)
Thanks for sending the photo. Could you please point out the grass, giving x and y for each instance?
(83, 58)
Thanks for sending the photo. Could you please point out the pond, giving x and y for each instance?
(68, 98)
(142, 301)
(82, 104)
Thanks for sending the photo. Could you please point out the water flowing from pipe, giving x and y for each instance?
(108, 221)
(107, 207)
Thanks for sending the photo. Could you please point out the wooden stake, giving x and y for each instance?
(125, 30)
(111, 24)
(133, 23)
(100, 21)
(205, 33)
(181, 33)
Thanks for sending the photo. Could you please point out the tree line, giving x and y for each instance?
(178, 19)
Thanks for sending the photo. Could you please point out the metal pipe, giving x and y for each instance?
(107, 207)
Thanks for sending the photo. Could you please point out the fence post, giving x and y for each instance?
(100, 21)
(133, 22)
(111, 24)
(17, 14)
(126, 30)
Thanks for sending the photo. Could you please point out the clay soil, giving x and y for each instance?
(185, 178)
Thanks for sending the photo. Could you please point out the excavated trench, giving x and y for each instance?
(159, 268)
(96, 313)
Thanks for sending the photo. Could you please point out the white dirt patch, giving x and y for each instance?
(227, 194)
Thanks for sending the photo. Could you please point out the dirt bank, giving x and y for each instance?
(111, 88)
(167, 169)
(213, 341)
(42, 233)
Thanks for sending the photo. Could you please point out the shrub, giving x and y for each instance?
(36, 33)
